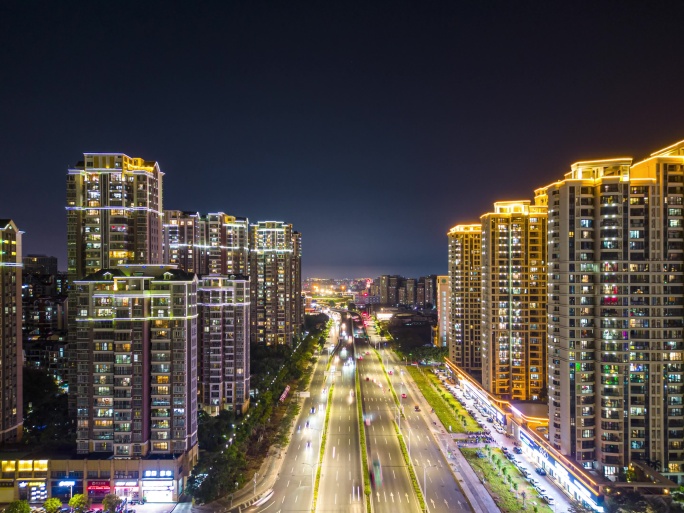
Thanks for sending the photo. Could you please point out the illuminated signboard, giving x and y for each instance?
(125, 483)
(67, 483)
(500, 417)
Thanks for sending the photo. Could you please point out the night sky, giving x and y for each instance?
(373, 127)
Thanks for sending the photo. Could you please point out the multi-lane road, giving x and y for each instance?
(394, 492)
(440, 489)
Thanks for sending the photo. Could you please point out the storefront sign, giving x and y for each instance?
(166, 484)
(125, 483)
(66, 483)
(24, 484)
(98, 483)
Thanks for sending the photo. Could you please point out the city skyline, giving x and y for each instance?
(356, 125)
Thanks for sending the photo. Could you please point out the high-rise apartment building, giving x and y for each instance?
(40, 264)
(214, 243)
(513, 336)
(410, 298)
(275, 254)
(11, 356)
(137, 361)
(224, 307)
(114, 213)
(465, 283)
(431, 289)
(183, 238)
(443, 310)
(616, 313)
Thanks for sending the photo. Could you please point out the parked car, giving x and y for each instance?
(540, 471)
(517, 450)
(548, 499)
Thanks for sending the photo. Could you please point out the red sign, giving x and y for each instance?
(284, 394)
(98, 483)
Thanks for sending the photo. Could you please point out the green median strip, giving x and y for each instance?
(412, 472)
(364, 455)
(321, 452)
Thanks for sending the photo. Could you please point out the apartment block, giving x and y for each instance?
(114, 213)
(11, 357)
(513, 336)
(443, 310)
(136, 357)
(224, 327)
(214, 243)
(275, 273)
(616, 313)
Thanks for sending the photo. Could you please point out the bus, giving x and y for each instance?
(376, 472)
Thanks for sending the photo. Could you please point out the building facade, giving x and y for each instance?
(224, 308)
(275, 291)
(513, 336)
(114, 213)
(137, 362)
(443, 310)
(465, 284)
(11, 357)
(616, 313)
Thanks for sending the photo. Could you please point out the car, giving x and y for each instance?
(416, 408)
(390, 372)
(548, 499)
(403, 396)
(308, 444)
(313, 409)
(540, 471)
(524, 471)
(368, 352)
(517, 450)
(367, 378)
(504, 450)
(307, 424)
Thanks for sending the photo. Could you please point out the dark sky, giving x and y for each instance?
(373, 127)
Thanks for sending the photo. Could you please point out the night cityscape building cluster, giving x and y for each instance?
(161, 309)
(574, 299)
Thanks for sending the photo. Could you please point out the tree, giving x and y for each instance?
(515, 487)
(52, 505)
(79, 503)
(110, 502)
(18, 507)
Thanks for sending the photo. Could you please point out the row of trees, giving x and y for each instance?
(79, 503)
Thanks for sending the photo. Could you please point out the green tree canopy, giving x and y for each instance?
(18, 507)
(110, 502)
(79, 503)
(52, 505)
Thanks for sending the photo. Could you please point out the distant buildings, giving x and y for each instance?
(396, 290)
(11, 358)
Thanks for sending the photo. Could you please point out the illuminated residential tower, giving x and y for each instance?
(616, 313)
(137, 362)
(465, 286)
(224, 307)
(513, 336)
(11, 356)
(275, 273)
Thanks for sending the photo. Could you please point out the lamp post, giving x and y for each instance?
(256, 474)
(425, 467)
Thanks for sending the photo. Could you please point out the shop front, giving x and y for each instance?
(127, 489)
(158, 490)
(34, 491)
(65, 489)
(6, 491)
(98, 489)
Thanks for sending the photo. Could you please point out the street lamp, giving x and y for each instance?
(256, 474)
(425, 467)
